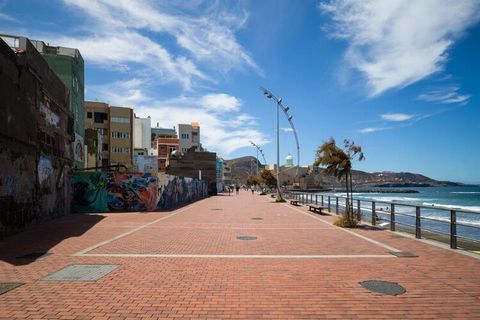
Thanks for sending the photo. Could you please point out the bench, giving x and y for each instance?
(294, 202)
(316, 208)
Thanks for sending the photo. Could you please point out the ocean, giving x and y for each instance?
(458, 198)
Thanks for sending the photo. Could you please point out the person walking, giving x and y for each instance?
(237, 188)
(252, 188)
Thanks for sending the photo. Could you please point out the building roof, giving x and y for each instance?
(164, 131)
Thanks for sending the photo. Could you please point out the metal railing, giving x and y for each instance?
(435, 219)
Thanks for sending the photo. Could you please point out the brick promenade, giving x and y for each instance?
(188, 263)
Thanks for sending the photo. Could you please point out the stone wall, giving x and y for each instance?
(190, 163)
(36, 130)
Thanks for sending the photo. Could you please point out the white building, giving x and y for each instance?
(142, 133)
(189, 136)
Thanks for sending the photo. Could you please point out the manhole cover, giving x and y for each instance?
(246, 238)
(5, 287)
(81, 272)
(384, 287)
(257, 218)
(403, 254)
(34, 255)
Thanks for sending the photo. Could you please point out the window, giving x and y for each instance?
(163, 148)
(120, 150)
(185, 136)
(104, 146)
(194, 134)
(172, 148)
(99, 117)
(89, 115)
(120, 135)
(120, 120)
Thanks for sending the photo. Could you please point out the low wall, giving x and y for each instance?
(115, 191)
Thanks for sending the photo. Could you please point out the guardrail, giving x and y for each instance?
(432, 219)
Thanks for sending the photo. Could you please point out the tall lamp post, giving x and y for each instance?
(261, 152)
(278, 101)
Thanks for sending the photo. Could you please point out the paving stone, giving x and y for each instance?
(81, 272)
(7, 286)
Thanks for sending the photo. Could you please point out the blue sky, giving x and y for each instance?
(401, 78)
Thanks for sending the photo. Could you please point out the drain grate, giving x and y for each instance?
(403, 254)
(34, 255)
(81, 272)
(5, 287)
(384, 287)
(246, 238)
(257, 218)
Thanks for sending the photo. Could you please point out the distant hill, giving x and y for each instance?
(245, 166)
(392, 179)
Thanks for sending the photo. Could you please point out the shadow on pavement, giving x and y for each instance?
(35, 241)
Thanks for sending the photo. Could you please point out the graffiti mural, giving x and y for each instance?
(176, 191)
(89, 192)
(102, 192)
(132, 192)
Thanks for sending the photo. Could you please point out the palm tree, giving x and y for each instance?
(338, 162)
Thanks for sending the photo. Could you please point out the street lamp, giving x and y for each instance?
(278, 101)
(261, 152)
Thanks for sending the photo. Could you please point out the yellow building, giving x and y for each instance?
(116, 127)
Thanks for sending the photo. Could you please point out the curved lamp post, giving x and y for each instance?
(261, 152)
(278, 102)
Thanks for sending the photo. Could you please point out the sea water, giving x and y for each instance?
(452, 198)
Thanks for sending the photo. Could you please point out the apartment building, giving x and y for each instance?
(142, 135)
(116, 127)
(121, 136)
(189, 136)
(166, 141)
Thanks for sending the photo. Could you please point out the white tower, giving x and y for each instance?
(289, 161)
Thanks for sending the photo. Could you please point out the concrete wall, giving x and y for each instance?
(189, 165)
(102, 192)
(36, 130)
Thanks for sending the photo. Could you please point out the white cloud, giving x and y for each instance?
(286, 129)
(120, 93)
(397, 117)
(396, 43)
(223, 131)
(125, 35)
(447, 95)
(220, 102)
(8, 18)
(372, 129)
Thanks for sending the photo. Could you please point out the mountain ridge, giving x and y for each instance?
(242, 167)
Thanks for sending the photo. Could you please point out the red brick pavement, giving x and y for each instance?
(189, 263)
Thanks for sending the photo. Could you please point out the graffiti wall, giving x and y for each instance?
(89, 192)
(132, 192)
(102, 192)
